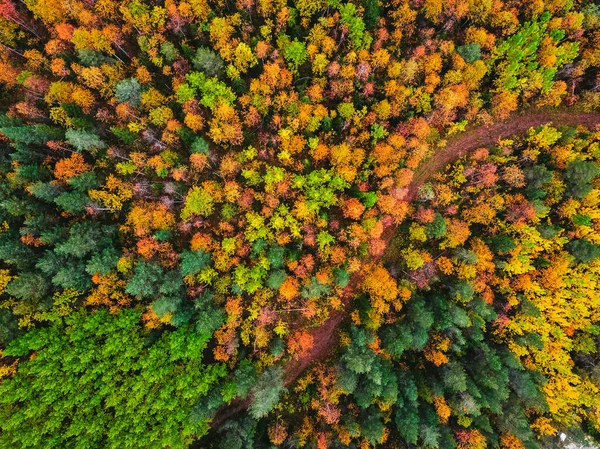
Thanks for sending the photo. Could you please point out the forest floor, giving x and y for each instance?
(324, 336)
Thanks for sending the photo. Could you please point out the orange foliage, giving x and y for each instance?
(145, 218)
(277, 433)
(353, 208)
(74, 165)
(442, 409)
(289, 289)
(300, 342)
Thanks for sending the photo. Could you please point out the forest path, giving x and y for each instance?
(457, 146)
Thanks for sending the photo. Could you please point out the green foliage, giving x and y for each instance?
(470, 52)
(146, 280)
(295, 53)
(103, 262)
(207, 61)
(198, 201)
(128, 90)
(208, 316)
(358, 358)
(169, 51)
(341, 277)
(518, 54)
(110, 387)
(437, 228)
(200, 146)
(72, 202)
(378, 132)
(193, 262)
(315, 289)
(276, 255)
(372, 426)
(30, 287)
(266, 392)
(30, 135)
(579, 176)
(9, 327)
(503, 244)
(320, 187)
(356, 26)
(276, 279)
(45, 191)
(91, 58)
(584, 251)
(210, 89)
(371, 14)
(346, 110)
(84, 140)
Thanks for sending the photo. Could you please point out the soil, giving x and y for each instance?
(324, 336)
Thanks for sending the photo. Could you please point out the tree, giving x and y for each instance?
(266, 392)
(84, 140)
(146, 280)
(579, 176)
(358, 358)
(32, 287)
(437, 228)
(276, 279)
(583, 250)
(371, 14)
(295, 53)
(98, 381)
(356, 26)
(192, 262)
(470, 52)
(207, 61)
(198, 201)
(128, 90)
(372, 426)
(9, 327)
(69, 167)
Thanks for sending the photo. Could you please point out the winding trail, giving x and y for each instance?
(457, 146)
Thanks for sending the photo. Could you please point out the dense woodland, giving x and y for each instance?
(227, 224)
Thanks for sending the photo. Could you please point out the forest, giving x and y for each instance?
(312, 224)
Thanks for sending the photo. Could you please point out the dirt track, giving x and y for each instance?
(458, 146)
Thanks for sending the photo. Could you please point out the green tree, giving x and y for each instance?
(207, 61)
(9, 327)
(97, 381)
(146, 280)
(128, 90)
(84, 140)
(356, 26)
(470, 52)
(372, 426)
(583, 250)
(193, 262)
(371, 14)
(437, 228)
(198, 201)
(28, 286)
(276, 279)
(579, 176)
(266, 392)
(295, 53)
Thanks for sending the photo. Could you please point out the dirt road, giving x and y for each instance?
(325, 335)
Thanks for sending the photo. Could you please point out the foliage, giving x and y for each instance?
(189, 178)
(107, 397)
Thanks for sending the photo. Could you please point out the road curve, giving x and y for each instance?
(456, 147)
